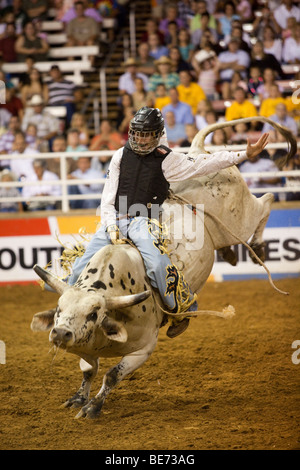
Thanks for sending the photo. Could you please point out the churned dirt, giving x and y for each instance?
(223, 384)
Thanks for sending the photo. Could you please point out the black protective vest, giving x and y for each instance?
(142, 185)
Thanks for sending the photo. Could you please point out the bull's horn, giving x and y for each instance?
(123, 301)
(198, 141)
(53, 281)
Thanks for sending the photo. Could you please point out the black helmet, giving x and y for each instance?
(145, 130)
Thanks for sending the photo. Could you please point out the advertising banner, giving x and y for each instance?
(29, 241)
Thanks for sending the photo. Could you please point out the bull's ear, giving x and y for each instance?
(43, 321)
(114, 330)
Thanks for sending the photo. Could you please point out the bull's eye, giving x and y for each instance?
(92, 316)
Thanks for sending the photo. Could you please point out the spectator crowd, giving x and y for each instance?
(199, 62)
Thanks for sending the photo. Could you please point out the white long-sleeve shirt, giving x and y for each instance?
(175, 167)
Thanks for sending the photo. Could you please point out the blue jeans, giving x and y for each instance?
(146, 235)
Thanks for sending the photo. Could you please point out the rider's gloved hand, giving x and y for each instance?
(115, 235)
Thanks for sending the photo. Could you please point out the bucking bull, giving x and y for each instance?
(112, 310)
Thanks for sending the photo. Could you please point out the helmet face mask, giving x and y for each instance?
(145, 130)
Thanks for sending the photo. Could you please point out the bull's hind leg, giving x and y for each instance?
(257, 242)
(81, 397)
(114, 376)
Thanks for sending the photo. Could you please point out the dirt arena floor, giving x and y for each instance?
(223, 384)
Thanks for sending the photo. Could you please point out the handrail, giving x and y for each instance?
(64, 182)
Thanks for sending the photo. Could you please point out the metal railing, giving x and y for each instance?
(64, 182)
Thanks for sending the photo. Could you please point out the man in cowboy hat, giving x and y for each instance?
(163, 74)
(47, 125)
(126, 80)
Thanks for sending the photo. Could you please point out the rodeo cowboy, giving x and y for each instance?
(137, 184)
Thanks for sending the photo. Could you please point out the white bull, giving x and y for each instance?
(112, 310)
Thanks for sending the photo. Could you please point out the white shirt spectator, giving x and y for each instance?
(291, 51)
(45, 122)
(241, 57)
(126, 82)
(281, 14)
(263, 164)
(51, 190)
(89, 175)
(22, 167)
(275, 50)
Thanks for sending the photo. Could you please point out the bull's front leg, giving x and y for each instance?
(89, 368)
(114, 376)
(257, 242)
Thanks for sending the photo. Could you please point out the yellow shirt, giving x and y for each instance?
(268, 106)
(191, 95)
(161, 102)
(238, 111)
(293, 108)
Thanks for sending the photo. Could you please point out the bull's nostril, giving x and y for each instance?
(61, 335)
(68, 335)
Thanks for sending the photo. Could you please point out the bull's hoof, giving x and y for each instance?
(259, 250)
(77, 401)
(92, 410)
(227, 254)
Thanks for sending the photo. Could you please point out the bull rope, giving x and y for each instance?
(216, 219)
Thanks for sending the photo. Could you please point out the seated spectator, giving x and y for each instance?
(78, 122)
(204, 31)
(47, 125)
(225, 20)
(171, 15)
(85, 172)
(244, 10)
(241, 107)
(191, 131)
(291, 48)
(202, 121)
(177, 62)
(7, 139)
(237, 81)
(22, 167)
(13, 104)
(163, 75)
(207, 67)
(268, 81)
(29, 44)
(293, 164)
(255, 81)
(41, 174)
(264, 61)
(219, 137)
(271, 44)
(195, 22)
(125, 114)
(171, 37)
(281, 117)
(127, 80)
(152, 28)
(4, 119)
(60, 146)
(238, 33)
(262, 20)
(140, 96)
(31, 137)
(268, 105)
(36, 9)
(6, 177)
(259, 165)
(145, 61)
(73, 141)
(162, 97)
(108, 139)
(34, 86)
(175, 131)
(290, 26)
(156, 50)
(72, 13)
(82, 30)
(240, 134)
(233, 60)
(7, 44)
(182, 111)
(189, 92)
(185, 45)
(284, 11)
(185, 11)
(61, 92)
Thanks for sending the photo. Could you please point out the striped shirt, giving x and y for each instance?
(60, 92)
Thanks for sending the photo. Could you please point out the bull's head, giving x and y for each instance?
(80, 315)
(198, 141)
